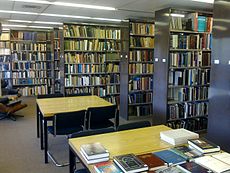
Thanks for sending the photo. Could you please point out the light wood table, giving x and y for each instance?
(137, 141)
(50, 106)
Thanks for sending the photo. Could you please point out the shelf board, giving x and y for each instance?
(141, 62)
(5, 55)
(190, 50)
(140, 104)
(140, 74)
(187, 86)
(179, 119)
(193, 101)
(85, 73)
(85, 86)
(188, 31)
(141, 35)
(113, 94)
(90, 38)
(96, 51)
(111, 84)
(138, 91)
(195, 67)
(37, 51)
(143, 48)
(31, 41)
(112, 61)
(23, 85)
(97, 63)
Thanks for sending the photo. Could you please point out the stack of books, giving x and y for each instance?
(94, 153)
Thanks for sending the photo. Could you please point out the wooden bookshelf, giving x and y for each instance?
(182, 69)
(32, 62)
(92, 59)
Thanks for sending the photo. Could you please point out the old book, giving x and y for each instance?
(107, 167)
(192, 167)
(203, 145)
(152, 161)
(171, 169)
(129, 163)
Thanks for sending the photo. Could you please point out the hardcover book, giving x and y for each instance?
(107, 167)
(224, 157)
(152, 161)
(94, 150)
(170, 157)
(129, 163)
(192, 167)
(92, 161)
(171, 169)
(203, 145)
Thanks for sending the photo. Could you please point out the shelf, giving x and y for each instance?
(86, 51)
(31, 41)
(141, 74)
(37, 51)
(189, 32)
(179, 119)
(86, 86)
(85, 74)
(198, 67)
(141, 35)
(111, 84)
(97, 63)
(190, 50)
(143, 48)
(187, 86)
(90, 38)
(23, 85)
(140, 104)
(138, 91)
(113, 94)
(193, 101)
(112, 61)
(141, 62)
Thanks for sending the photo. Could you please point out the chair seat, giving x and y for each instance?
(65, 131)
(81, 171)
(100, 125)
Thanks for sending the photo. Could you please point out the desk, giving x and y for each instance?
(137, 141)
(50, 106)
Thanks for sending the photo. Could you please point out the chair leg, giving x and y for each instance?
(55, 161)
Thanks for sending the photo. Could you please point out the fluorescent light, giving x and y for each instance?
(106, 19)
(5, 29)
(18, 26)
(205, 1)
(67, 4)
(18, 12)
(177, 15)
(43, 27)
(65, 16)
(25, 26)
(40, 22)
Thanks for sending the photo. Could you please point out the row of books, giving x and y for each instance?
(140, 98)
(91, 45)
(4, 52)
(113, 89)
(141, 55)
(140, 68)
(31, 74)
(5, 36)
(140, 110)
(33, 36)
(31, 81)
(190, 59)
(36, 90)
(28, 65)
(28, 56)
(141, 83)
(187, 110)
(189, 77)
(84, 68)
(85, 58)
(112, 68)
(5, 66)
(91, 31)
(142, 28)
(146, 42)
(191, 41)
(4, 45)
(98, 91)
(5, 74)
(188, 94)
(112, 78)
(28, 46)
(4, 58)
(192, 22)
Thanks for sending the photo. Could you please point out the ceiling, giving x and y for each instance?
(126, 9)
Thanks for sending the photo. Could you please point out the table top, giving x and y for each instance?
(51, 106)
(136, 141)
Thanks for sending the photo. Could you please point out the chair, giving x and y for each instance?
(99, 117)
(8, 108)
(50, 95)
(134, 125)
(81, 171)
(78, 94)
(66, 124)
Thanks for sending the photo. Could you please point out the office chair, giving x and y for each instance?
(66, 124)
(99, 117)
(134, 125)
(78, 94)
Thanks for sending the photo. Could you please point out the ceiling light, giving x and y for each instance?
(205, 1)
(18, 12)
(106, 19)
(177, 15)
(25, 26)
(68, 4)
(18, 26)
(40, 22)
(5, 29)
(20, 21)
(65, 16)
(42, 27)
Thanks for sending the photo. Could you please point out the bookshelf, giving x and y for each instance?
(136, 101)
(182, 68)
(32, 62)
(92, 59)
(5, 60)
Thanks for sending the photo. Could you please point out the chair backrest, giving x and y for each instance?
(101, 114)
(78, 94)
(92, 132)
(50, 95)
(134, 125)
(67, 123)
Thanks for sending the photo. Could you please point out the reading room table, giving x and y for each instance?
(136, 141)
(50, 106)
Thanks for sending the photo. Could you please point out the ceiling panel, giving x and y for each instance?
(23, 17)
(30, 7)
(60, 10)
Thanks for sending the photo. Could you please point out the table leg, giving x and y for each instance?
(45, 140)
(72, 161)
(41, 131)
(38, 119)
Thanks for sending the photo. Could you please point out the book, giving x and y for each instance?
(171, 169)
(212, 163)
(170, 157)
(152, 161)
(98, 160)
(224, 157)
(107, 167)
(186, 152)
(192, 167)
(178, 136)
(94, 150)
(129, 163)
(203, 145)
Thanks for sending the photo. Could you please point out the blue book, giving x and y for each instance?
(170, 157)
(202, 23)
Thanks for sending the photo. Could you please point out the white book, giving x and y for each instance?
(178, 136)
(224, 157)
(213, 164)
(94, 160)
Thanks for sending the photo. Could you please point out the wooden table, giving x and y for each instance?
(137, 141)
(50, 106)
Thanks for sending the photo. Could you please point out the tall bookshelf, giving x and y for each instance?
(92, 59)
(136, 99)
(32, 62)
(5, 60)
(182, 68)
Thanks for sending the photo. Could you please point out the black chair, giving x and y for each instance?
(134, 125)
(78, 94)
(66, 124)
(50, 95)
(81, 171)
(100, 117)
